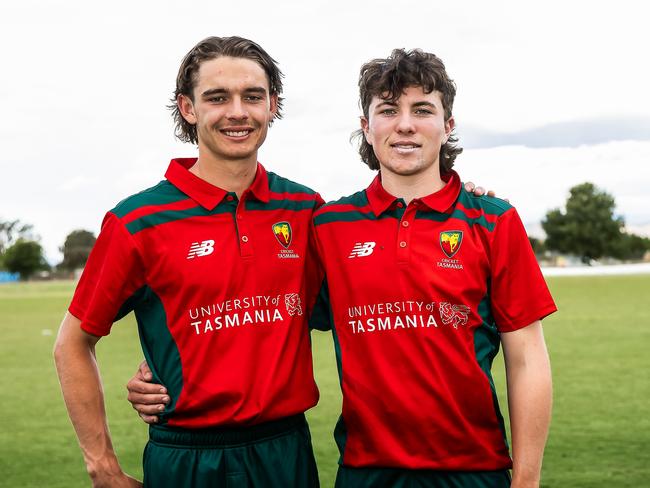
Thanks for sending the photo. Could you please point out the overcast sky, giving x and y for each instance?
(550, 94)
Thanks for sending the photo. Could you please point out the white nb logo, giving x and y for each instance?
(362, 249)
(201, 249)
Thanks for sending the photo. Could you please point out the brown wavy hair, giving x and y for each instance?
(212, 48)
(388, 78)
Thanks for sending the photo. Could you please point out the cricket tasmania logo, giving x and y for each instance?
(282, 232)
(450, 241)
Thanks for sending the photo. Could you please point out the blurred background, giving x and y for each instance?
(552, 110)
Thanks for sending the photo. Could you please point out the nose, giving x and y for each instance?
(405, 124)
(237, 109)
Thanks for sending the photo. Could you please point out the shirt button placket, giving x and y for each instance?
(404, 234)
(245, 245)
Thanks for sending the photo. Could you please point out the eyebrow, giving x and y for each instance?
(223, 91)
(416, 104)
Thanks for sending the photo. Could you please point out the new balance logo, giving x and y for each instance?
(200, 249)
(362, 249)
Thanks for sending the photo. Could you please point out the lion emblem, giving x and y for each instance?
(454, 314)
(292, 302)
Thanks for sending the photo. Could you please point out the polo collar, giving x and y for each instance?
(206, 194)
(380, 200)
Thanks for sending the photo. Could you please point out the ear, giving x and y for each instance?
(186, 108)
(364, 128)
(449, 126)
(274, 104)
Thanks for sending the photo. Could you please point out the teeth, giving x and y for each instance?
(236, 134)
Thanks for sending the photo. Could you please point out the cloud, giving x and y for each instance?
(573, 133)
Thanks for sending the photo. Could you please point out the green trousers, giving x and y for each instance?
(275, 454)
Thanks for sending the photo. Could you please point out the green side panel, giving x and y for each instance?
(280, 205)
(323, 319)
(321, 314)
(278, 184)
(161, 194)
(486, 347)
(490, 205)
(340, 431)
(166, 216)
(160, 349)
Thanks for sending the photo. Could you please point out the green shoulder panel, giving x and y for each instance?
(279, 184)
(489, 205)
(329, 212)
(160, 194)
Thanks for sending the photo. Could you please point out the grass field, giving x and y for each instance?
(599, 345)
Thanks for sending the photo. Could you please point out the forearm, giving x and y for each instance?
(529, 399)
(82, 391)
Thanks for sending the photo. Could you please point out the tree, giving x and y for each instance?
(76, 248)
(11, 230)
(630, 246)
(24, 257)
(587, 228)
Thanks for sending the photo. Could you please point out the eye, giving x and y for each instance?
(217, 99)
(423, 111)
(254, 98)
(388, 111)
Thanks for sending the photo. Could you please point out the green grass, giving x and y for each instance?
(600, 436)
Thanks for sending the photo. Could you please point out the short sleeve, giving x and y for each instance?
(518, 292)
(113, 273)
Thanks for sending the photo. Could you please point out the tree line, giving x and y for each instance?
(22, 253)
(586, 227)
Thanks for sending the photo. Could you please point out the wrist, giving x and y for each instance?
(106, 466)
(524, 481)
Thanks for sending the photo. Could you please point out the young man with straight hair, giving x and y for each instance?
(424, 283)
(215, 261)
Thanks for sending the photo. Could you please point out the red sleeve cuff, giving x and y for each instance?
(526, 320)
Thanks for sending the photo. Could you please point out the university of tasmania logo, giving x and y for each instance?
(450, 241)
(282, 232)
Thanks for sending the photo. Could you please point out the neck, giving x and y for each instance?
(231, 175)
(409, 187)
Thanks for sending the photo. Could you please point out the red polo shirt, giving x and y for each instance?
(418, 295)
(220, 288)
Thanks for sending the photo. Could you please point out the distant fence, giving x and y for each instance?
(606, 269)
(6, 277)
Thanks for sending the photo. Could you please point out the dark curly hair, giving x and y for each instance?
(212, 48)
(388, 78)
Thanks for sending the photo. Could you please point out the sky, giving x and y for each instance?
(550, 94)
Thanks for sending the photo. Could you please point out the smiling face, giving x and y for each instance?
(406, 135)
(231, 108)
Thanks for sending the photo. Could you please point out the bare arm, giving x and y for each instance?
(528, 373)
(74, 355)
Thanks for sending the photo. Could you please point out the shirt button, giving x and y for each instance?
(402, 244)
(240, 216)
(230, 198)
(244, 238)
(399, 205)
(405, 224)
